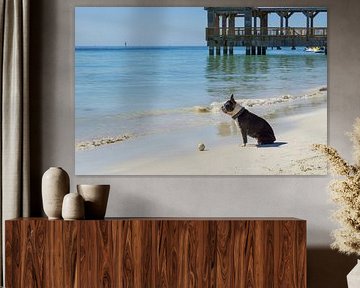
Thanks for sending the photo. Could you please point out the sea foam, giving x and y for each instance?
(91, 144)
(215, 107)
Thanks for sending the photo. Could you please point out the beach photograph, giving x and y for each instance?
(152, 83)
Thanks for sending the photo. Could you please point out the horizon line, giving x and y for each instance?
(136, 46)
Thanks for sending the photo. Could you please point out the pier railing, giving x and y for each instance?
(268, 31)
(266, 37)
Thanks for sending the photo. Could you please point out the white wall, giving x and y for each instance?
(52, 94)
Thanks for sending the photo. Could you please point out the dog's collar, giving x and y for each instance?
(238, 113)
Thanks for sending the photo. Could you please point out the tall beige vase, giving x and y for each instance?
(54, 186)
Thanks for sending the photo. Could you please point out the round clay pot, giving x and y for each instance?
(73, 207)
(54, 186)
(96, 198)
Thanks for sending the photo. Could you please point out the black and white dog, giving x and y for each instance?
(249, 123)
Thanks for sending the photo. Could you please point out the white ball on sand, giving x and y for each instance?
(201, 147)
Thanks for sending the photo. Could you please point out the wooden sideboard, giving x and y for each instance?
(156, 252)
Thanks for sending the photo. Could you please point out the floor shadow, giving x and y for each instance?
(275, 144)
(328, 268)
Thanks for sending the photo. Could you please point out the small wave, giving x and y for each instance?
(216, 106)
(94, 143)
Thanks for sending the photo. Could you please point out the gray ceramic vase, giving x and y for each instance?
(353, 278)
(96, 198)
(73, 207)
(54, 186)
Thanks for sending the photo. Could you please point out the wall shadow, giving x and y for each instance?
(328, 268)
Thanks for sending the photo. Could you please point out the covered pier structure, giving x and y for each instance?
(256, 35)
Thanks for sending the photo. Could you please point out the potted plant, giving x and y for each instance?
(345, 192)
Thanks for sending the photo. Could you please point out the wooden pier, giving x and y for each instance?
(256, 35)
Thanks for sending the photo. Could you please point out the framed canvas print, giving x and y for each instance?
(200, 90)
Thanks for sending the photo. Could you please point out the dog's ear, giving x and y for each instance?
(232, 98)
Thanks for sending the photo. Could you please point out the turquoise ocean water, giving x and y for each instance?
(141, 91)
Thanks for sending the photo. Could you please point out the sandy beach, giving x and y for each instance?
(224, 155)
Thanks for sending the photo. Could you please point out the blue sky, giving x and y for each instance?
(161, 26)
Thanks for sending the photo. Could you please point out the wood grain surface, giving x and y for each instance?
(162, 252)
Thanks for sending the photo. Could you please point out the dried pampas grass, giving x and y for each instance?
(345, 191)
